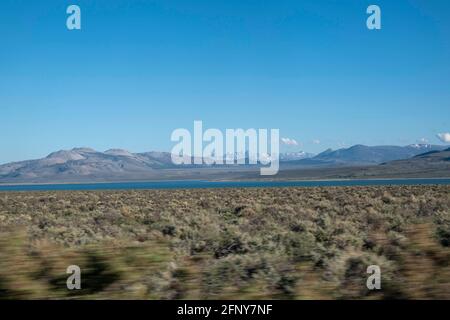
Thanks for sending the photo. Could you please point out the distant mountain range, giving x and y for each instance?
(427, 160)
(431, 164)
(85, 164)
(367, 155)
(292, 156)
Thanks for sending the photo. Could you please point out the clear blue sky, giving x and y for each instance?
(139, 69)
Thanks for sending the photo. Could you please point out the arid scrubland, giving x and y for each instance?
(273, 243)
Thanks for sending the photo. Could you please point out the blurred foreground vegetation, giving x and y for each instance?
(272, 243)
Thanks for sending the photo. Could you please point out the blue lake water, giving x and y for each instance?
(219, 184)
